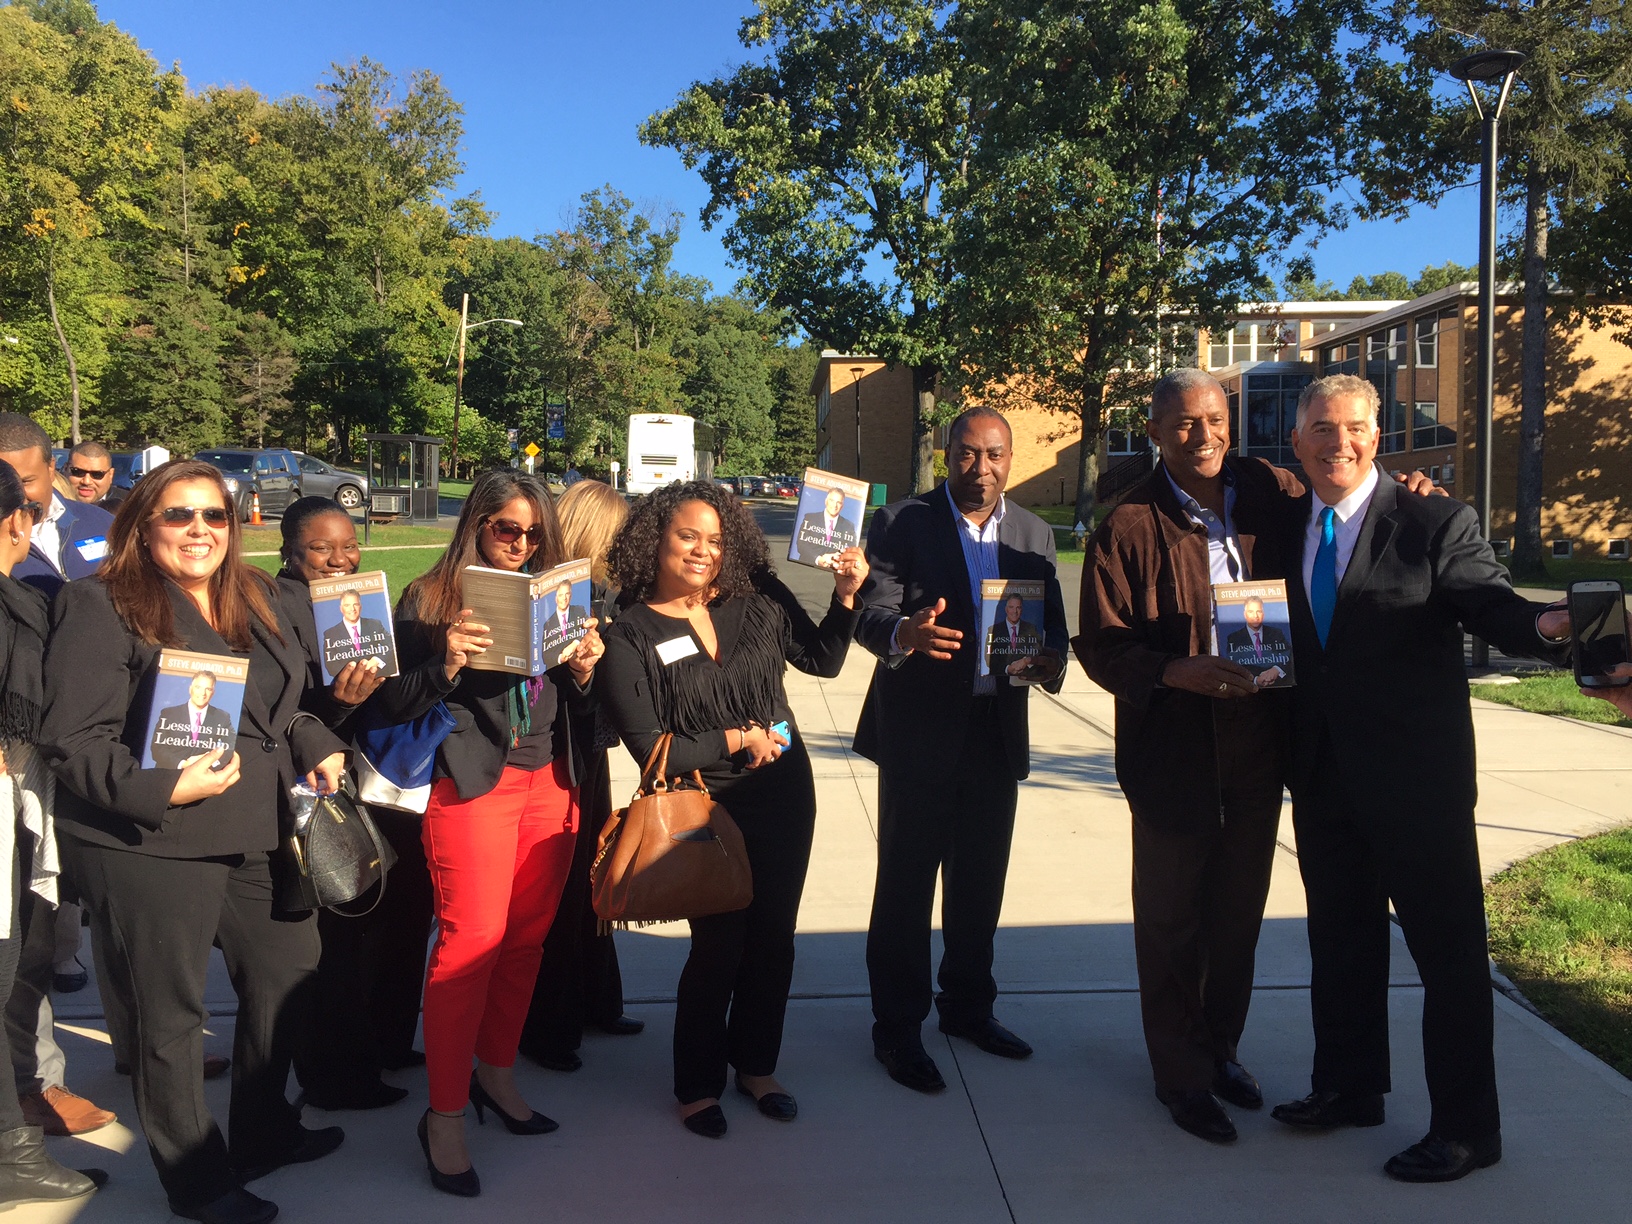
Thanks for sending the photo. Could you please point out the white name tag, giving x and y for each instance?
(675, 649)
(93, 549)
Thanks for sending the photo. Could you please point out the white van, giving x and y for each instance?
(662, 449)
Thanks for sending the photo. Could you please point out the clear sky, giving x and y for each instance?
(553, 92)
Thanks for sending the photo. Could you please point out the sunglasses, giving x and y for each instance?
(35, 510)
(79, 473)
(507, 532)
(182, 516)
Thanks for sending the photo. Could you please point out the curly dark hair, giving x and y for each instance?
(632, 559)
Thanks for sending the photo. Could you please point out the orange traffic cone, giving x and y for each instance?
(255, 510)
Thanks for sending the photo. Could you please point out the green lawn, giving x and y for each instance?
(1550, 693)
(1561, 929)
(400, 568)
(268, 539)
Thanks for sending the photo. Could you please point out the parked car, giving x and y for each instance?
(274, 474)
(319, 479)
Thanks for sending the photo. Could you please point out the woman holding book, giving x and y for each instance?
(372, 966)
(500, 826)
(699, 651)
(169, 861)
(28, 846)
(578, 980)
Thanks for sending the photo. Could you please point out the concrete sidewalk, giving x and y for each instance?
(1074, 1133)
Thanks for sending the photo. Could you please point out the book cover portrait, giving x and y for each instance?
(828, 518)
(1253, 628)
(196, 701)
(1011, 620)
(353, 620)
(568, 613)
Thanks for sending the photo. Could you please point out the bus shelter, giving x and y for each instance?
(403, 478)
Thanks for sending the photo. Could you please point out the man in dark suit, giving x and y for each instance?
(1388, 583)
(1254, 645)
(564, 619)
(355, 637)
(951, 746)
(193, 728)
(1012, 639)
(822, 534)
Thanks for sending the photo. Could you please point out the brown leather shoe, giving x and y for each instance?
(57, 1111)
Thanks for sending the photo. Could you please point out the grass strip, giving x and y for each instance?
(1551, 693)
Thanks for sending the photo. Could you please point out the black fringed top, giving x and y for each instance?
(697, 698)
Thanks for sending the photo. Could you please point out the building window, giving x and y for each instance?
(1562, 549)
(1126, 432)
(1271, 413)
(1342, 358)
(1449, 470)
(1433, 473)
(1502, 548)
(1427, 343)
(1426, 431)
(1620, 550)
(1385, 358)
(825, 459)
(823, 403)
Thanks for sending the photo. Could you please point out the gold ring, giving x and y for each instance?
(1222, 686)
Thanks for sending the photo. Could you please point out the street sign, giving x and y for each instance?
(555, 417)
(532, 449)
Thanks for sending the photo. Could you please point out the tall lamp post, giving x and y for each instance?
(1487, 67)
(465, 327)
(855, 381)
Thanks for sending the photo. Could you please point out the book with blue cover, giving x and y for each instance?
(353, 619)
(535, 620)
(828, 518)
(1011, 620)
(1252, 626)
(194, 709)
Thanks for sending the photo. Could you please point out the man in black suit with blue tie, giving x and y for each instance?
(951, 745)
(1388, 583)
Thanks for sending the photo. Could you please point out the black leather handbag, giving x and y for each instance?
(338, 855)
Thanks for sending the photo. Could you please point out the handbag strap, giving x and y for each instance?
(373, 832)
(654, 778)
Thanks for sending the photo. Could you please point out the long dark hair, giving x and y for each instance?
(238, 591)
(436, 594)
(12, 497)
(744, 555)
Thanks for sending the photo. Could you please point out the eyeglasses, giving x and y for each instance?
(35, 509)
(182, 516)
(79, 473)
(507, 532)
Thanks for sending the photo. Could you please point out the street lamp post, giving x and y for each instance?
(1487, 67)
(465, 325)
(855, 381)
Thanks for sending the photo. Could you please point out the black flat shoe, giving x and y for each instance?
(1235, 1084)
(71, 982)
(1199, 1112)
(988, 1035)
(538, 1124)
(402, 1060)
(565, 1061)
(709, 1123)
(1435, 1159)
(778, 1105)
(1328, 1110)
(236, 1206)
(464, 1185)
(375, 1095)
(622, 1026)
(911, 1067)
(312, 1145)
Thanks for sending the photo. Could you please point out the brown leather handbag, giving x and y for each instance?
(672, 853)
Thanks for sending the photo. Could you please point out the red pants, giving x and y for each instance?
(498, 864)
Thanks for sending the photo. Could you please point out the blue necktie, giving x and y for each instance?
(1323, 581)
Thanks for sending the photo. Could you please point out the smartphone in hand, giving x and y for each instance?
(1598, 626)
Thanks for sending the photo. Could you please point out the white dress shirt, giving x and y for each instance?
(1346, 522)
(46, 537)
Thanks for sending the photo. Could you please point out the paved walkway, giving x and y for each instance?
(1075, 1133)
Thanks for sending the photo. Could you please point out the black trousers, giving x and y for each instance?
(37, 1061)
(578, 979)
(733, 994)
(11, 1112)
(1198, 904)
(372, 972)
(157, 919)
(960, 827)
(1354, 862)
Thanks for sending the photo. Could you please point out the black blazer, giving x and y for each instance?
(1391, 683)
(475, 753)
(97, 678)
(917, 709)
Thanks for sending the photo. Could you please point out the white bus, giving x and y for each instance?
(662, 449)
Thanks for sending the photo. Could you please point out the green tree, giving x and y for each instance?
(728, 382)
(793, 445)
(827, 159)
(1383, 286)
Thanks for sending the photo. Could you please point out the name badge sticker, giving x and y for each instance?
(93, 549)
(675, 649)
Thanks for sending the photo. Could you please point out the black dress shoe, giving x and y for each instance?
(74, 980)
(367, 1095)
(566, 1060)
(621, 1026)
(236, 1206)
(1235, 1084)
(1199, 1112)
(1435, 1159)
(778, 1105)
(989, 1035)
(312, 1145)
(402, 1060)
(911, 1066)
(1328, 1110)
(709, 1123)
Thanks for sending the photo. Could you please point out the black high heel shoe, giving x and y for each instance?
(538, 1124)
(465, 1185)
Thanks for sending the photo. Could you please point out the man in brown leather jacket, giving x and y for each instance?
(1201, 754)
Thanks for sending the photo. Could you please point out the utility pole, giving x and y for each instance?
(459, 386)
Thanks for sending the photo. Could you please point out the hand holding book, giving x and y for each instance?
(466, 640)
(1210, 676)
(200, 779)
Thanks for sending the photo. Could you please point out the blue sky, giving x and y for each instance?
(553, 93)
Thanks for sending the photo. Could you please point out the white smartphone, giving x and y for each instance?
(1598, 625)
